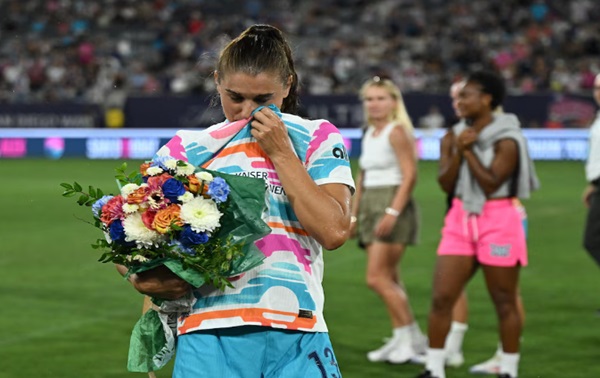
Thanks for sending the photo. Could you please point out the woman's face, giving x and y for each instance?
(379, 103)
(454, 91)
(472, 102)
(242, 93)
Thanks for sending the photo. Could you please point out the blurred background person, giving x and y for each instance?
(432, 120)
(487, 166)
(460, 311)
(385, 212)
(591, 194)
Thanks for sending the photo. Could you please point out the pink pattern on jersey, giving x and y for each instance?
(273, 243)
(269, 167)
(176, 148)
(325, 129)
(230, 129)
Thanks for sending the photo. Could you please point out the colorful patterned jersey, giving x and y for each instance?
(285, 291)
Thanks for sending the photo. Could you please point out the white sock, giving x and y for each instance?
(402, 333)
(498, 350)
(415, 332)
(455, 337)
(509, 364)
(435, 362)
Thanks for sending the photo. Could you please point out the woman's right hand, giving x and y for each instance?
(587, 195)
(160, 283)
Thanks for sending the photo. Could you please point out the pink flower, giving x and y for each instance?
(112, 210)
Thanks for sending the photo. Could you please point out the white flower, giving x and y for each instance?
(127, 189)
(130, 208)
(185, 170)
(136, 231)
(186, 197)
(201, 214)
(153, 171)
(140, 258)
(171, 164)
(204, 176)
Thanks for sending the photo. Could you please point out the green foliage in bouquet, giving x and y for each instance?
(201, 224)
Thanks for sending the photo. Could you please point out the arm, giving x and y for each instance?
(587, 193)
(324, 211)
(404, 148)
(159, 282)
(449, 164)
(356, 202)
(503, 166)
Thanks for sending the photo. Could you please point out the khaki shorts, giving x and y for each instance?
(372, 208)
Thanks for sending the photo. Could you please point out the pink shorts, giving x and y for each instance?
(495, 237)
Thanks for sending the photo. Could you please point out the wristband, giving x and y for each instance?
(391, 211)
(353, 219)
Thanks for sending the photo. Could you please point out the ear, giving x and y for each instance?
(216, 77)
(487, 99)
(288, 86)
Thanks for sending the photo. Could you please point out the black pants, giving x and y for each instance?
(591, 236)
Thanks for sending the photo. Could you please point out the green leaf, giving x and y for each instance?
(82, 199)
(77, 187)
(68, 193)
(100, 193)
(66, 186)
(92, 191)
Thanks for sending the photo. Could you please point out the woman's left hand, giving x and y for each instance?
(270, 133)
(385, 226)
(466, 139)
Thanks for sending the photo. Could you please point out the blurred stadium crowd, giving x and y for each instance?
(97, 50)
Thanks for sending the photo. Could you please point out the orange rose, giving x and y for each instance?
(137, 196)
(193, 184)
(165, 217)
(143, 168)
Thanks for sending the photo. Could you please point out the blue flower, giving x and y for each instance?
(173, 188)
(160, 161)
(218, 190)
(97, 206)
(117, 232)
(190, 238)
(182, 248)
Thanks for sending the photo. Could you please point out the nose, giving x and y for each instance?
(247, 108)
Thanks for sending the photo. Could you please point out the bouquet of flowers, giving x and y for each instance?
(200, 224)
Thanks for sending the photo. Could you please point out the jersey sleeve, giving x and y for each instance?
(327, 160)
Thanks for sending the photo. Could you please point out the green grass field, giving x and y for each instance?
(65, 315)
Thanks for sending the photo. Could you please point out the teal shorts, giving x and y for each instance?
(255, 352)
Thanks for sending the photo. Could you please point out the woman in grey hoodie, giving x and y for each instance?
(487, 168)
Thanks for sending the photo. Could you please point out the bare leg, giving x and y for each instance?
(383, 279)
(502, 284)
(451, 275)
(460, 311)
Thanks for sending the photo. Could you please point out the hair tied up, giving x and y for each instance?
(263, 30)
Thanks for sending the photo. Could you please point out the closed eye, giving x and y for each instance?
(236, 98)
(262, 99)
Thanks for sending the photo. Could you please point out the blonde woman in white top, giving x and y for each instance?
(385, 217)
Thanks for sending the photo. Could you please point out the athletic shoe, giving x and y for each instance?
(426, 374)
(455, 359)
(419, 359)
(402, 353)
(491, 366)
(505, 375)
(381, 354)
